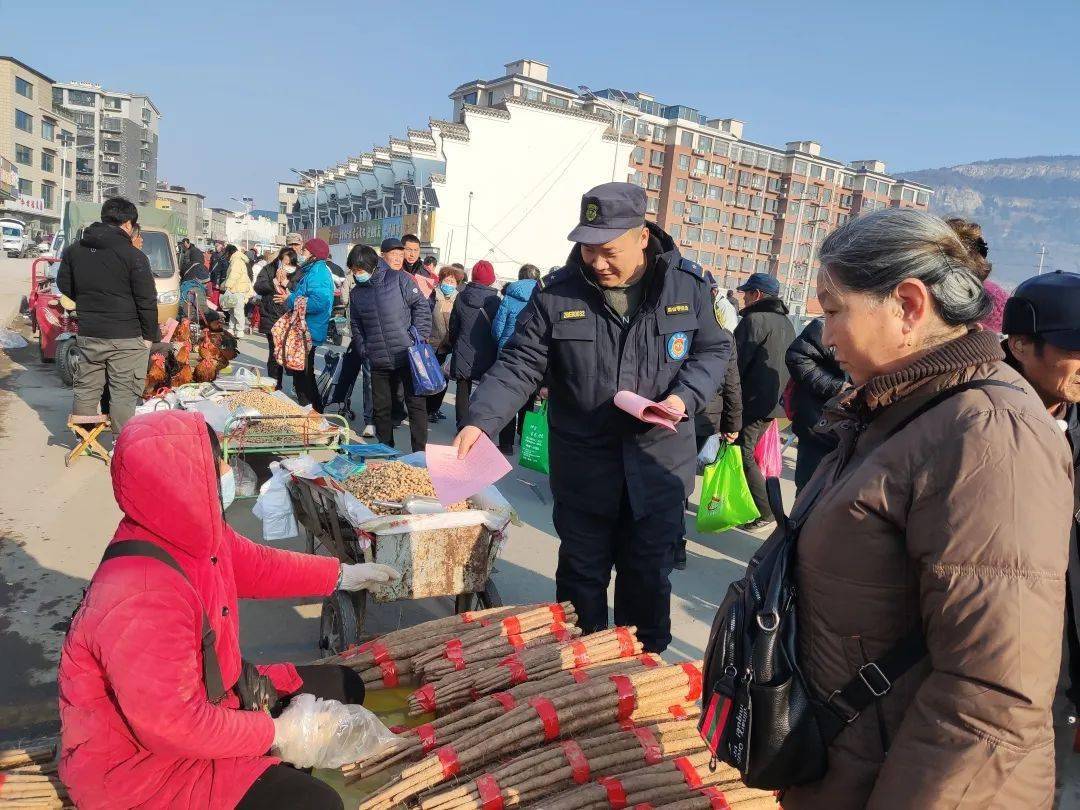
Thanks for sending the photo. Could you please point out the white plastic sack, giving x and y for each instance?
(215, 415)
(246, 480)
(352, 509)
(709, 451)
(274, 506)
(317, 733)
(11, 340)
(304, 466)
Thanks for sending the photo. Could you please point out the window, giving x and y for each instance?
(815, 171)
(26, 188)
(830, 175)
(693, 234)
(698, 188)
(637, 178)
(24, 121)
(775, 184)
(680, 185)
(744, 178)
(776, 163)
(58, 95)
(739, 221)
(48, 194)
(557, 101)
(797, 189)
(717, 170)
(753, 223)
(146, 117)
(729, 196)
(110, 167)
(111, 147)
(732, 262)
(678, 208)
(813, 192)
(686, 139)
(84, 120)
(654, 182)
(742, 199)
(157, 250)
(684, 163)
(705, 258)
(704, 143)
(81, 98)
(768, 226)
(697, 212)
(48, 161)
(708, 237)
(24, 155)
(112, 103)
(712, 214)
(755, 201)
(659, 134)
(639, 154)
(48, 130)
(735, 242)
(675, 231)
(735, 152)
(846, 181)
(715, 193)
(23, 87)
(747, 264)
(84, 186)
(748, 156)
(845, 201)
(908, 195)
(643, 129)
(799, 167)
(110, 123)
(772, 206)
(826, 196)
(701, 165)
(720, 147)
(84, 165)
(764, 245)
(656, 158)
(757, 181)
(725, 218)
(652, 205)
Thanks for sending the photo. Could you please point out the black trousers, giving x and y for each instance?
(642, 553)
(1072, 645)
(282, 787)
(435, 401)
(747, 441)
(383, 384)
(273, 368)
(351, 364)
(305, 385)
(461, 402)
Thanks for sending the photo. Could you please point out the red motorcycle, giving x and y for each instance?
(54, 324)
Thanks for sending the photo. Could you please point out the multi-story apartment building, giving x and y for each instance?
(116, 142)
(188, 204)
(287, 192)
(37, 138)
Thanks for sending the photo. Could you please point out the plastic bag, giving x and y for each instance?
(709, 451)
(317, 733)
(427, 376)
(725, 497)
(274, 506)
(11, 340)
(534, 441)
(217, 416)
(246, 480)
(767, 452)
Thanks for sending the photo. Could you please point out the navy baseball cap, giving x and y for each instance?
(607, 212)
(761, 282)
(391, 243)
(1047, 306)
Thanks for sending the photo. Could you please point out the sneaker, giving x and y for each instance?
(369, 432)
(680, 555)
(758, 525)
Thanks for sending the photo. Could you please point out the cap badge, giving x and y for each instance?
(592, 211)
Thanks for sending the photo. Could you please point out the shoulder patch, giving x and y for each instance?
(693, 268)
(554, 277)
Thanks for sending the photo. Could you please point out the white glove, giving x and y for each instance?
(317, 733)
(709, 452)
(363, 576)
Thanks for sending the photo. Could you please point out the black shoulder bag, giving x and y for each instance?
(759, 714)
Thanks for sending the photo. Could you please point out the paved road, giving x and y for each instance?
(54, 523)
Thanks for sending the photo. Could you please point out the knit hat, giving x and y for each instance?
(998, 296)
(317, 248)
(483, 273)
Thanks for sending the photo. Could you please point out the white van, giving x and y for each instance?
(14, 237)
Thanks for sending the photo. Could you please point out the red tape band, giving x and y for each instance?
(512, 625)
(575, 758)
(627, 724)
(627, 697)
(677, 711)
(389, 674)
(649, 745)
(398, 729)
(453, 653)
(515, 640)
(506, 700)
(449, 759)
(562, 635)
(579, 675)
(545, 710)
(689, 773)
(426, 697)
(467, 617)
(490, 793)
(643, 806)
(517, 670)
(616, 794)
(557, 612)
(365, 646)
(626, 642)
(717, 800)
(380, 652)
(581, 654)
(647, 660)
(426, 733)
(693, 679)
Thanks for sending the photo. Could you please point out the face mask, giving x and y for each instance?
(290, 269)
(228, 489)
(362, 278)
(448, 289)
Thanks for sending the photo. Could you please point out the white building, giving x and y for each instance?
(248, 231)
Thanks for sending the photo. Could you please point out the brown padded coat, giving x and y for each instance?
(958, 523)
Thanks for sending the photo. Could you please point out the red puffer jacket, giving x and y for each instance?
(137, 728)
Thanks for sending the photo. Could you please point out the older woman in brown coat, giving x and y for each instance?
(957, 526)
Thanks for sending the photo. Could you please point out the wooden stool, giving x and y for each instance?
(87, 429)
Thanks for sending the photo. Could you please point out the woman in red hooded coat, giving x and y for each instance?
(139, 727)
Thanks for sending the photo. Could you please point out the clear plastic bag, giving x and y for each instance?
(709, 451)
(317, 733)
(246, 480)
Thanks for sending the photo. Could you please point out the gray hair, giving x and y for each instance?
(874, 253)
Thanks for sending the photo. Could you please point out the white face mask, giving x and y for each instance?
(228, 489)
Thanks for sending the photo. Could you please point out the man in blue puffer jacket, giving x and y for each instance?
(515, 297)
(317, 286)
(383, 306)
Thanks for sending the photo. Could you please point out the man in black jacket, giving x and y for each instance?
(113, 289)
(816, 378)
(761, 340)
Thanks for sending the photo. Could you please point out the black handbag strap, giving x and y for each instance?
(215, 686)
(874, 680)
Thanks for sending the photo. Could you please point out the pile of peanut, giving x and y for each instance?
(273, 431)
(392, 481)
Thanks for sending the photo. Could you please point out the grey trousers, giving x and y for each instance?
(121, 364)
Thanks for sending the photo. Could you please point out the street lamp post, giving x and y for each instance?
(315, 215)
(65, 144)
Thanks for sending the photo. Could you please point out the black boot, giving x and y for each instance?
(680, 554)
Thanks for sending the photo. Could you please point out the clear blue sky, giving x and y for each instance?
(248, 89)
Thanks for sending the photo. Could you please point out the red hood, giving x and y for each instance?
(165, 480)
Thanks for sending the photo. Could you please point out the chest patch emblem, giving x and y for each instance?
(678, 346)
(572, 315)
(677, 309)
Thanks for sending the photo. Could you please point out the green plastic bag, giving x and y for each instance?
(534, 441)
(725, 497)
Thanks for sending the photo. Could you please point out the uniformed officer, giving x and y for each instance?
(625, 313)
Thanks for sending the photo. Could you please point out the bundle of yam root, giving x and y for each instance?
(530, 713)
(28, 778)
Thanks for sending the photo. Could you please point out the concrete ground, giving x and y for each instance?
(55, 522)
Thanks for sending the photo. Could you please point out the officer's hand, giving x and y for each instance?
(465, 440)
(675, 403)
(731, 437)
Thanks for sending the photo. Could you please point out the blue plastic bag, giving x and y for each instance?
(427, 376)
